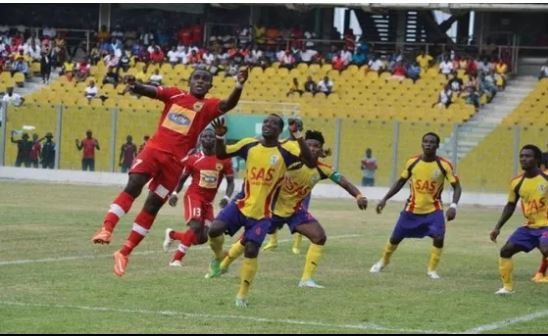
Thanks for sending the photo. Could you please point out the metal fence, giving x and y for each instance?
(487, 167)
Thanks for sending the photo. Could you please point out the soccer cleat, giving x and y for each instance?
(120, 263)
(377, 267)
(214, 269)
(538, 276)
(504, 291)
(241, 302)
(270, 246)
(102, 237)
(175, 263)
(433, 275)
(167, 240)
(296, 250)
(309, 284)
(543, 279)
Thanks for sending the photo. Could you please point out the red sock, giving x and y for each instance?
(118, 208)
(543, 265)
(142, 224)
(187, 239)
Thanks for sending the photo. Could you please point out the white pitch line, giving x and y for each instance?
(366, 326)
(71, 258)
(507, 322)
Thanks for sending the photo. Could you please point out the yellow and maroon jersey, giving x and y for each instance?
(265, 169)
(534, 198)
(297, 185)
(426, 183)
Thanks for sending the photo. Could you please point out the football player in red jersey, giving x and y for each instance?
(161, 162)
(207, 172)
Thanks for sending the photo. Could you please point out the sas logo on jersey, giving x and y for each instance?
(273, 159)
(219, 166)
(178, 119)
(197, 107)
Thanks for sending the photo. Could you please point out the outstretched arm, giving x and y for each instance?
(229, 191)
(232, 100)
(79, 144)
(140, 89)
(220, 131)
(507, 212)
(393, 191)
(354, 191)
(306, 155)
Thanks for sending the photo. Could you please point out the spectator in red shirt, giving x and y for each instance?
(157, 56)
(35, 151)
(89, 144)
(128, 153)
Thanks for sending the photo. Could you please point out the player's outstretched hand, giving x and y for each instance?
(362, 202)
(173, 200)
(219, 126)
(295, 127)
(494, 234)
(242, 76)
(381, 206)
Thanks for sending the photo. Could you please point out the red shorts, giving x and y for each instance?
(163, 168)
(195, 208)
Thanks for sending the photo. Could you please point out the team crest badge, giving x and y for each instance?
(273, 159)
(541, 188)
(437, 173)
(197, 106)
(219, 166)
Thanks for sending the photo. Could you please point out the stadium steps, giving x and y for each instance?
(35, 84)
(474, 131)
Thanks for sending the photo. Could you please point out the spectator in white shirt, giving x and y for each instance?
(543, 71)
(173, 56)
(91, 91)
(446, 67)
(325, 86)
(156, 78)
(308, 54)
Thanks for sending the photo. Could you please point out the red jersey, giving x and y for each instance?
(183, 119)
(207, 173)
(89, 148)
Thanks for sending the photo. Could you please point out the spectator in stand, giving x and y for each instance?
(20, 65)
(462, 63)
(103, 34)
(89, 144)
(500, 74)
(82, 71)
(112, 76)
(471, 96)
(424, 60)
(543, 71)
(338, 63)
(48, 152)
(173, 56)
(325, 86)
(444, 98)
(308, 55)
(95, 54)
(310, 85)
(125, 60)
(446, 67)
(91, 90)
(413, 71)
(483, 66)
(359, 58)
(349, 39)
(35, 151)
(398, 71)
(24, 147)
(12, 98)
(295, 88)
(128, 152)
(287, 60)
(455, 84)
(368, 167)
(377, 64)
(487, 86)
(472, 68)
(156, 78)
(346, 55)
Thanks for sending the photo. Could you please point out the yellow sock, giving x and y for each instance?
(387, 253)
(216, 245)
(247, 274)
(297, 238)
(435, 256)
(236, 250)
(312, 258)
(506, 266)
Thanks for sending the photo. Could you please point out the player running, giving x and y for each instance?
(207, 173)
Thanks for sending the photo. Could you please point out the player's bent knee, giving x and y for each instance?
(216, 229)
(251, 249)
